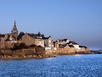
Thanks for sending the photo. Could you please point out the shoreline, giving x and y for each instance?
(8, 57)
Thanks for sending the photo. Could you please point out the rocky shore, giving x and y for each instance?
(22, 51)
(37, 53)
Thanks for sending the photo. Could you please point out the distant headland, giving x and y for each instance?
(15, 45)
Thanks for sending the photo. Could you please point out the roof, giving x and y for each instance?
(35, 35)
(61, 40)
(73, 42)
(62, 45)
(71, 46)
(21, 34)
(46, 37)
(2, 35)
(82, 46)
(38, 36)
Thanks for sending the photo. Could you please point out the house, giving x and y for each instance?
(48, 43)
(84, 48)
(74, 45)
(27, 40)
(60, 42)
(5, 43)
(31, 39)
(36, 39)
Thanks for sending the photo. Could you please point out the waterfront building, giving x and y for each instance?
(9, 39)
(61, 42)
(48, 43)
(74, 45)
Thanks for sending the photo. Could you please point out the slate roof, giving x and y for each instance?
(61, 40)
(39, 36)
(2, 35)
(82, 46)
(73, 42)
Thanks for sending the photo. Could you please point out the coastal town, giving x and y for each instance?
(19, 44)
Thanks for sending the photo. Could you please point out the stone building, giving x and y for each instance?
(2, 39)
(13, 35)
(7, 40)
(30, 39)
(39, 42)
(36, 39)
(27, 40)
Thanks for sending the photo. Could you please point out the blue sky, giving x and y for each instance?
(78, 20)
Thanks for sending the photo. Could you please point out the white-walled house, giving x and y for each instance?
(76, 46)
(61, 42)
(48, 43)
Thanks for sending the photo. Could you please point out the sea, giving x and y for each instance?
(60, 66)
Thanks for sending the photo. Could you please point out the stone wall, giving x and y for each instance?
(28, 40)
(68, 51)
(28, 52)
(39, 42)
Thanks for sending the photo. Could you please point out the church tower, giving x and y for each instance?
(14, 31)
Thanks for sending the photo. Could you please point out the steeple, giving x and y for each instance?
(14, 30)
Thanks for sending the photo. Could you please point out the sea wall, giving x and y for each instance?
(68, 51)
(17, 54)
(22, 52)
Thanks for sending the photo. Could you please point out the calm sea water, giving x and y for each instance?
(61, 66)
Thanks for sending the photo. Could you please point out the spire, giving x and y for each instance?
(14, 30)
(14, 22)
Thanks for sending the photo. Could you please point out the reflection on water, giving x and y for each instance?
(61, 66)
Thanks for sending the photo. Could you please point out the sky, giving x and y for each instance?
(76, 20)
